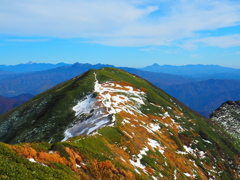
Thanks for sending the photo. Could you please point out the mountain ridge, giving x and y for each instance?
(137, 131)
(36, 82)
(30, 67)
(191, 69)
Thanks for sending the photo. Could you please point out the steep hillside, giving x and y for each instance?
(109, 124)
(228, 116)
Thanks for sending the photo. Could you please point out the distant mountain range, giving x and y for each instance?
(206, 96)
(7, 74)
(30, 67)
(201, 87)
(197, 71)
(36, 82)
(8, 103)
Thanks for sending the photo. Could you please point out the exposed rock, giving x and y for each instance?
(228, 116)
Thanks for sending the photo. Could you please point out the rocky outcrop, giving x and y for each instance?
(228, 116)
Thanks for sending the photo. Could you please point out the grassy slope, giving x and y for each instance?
(14, 166)
(99, 148)
(206, 129)
(52, 108)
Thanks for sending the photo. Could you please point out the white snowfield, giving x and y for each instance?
(96, 112)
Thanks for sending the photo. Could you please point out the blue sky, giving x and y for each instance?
(133, 33)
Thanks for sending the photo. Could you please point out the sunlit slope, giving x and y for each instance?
(109, 124)
(46, 117)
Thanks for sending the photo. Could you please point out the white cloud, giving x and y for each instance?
(119, 22)
(218, 41)
(58, 18)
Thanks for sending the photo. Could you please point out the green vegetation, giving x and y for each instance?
(176, 140)
(147, 161)
(94, 147)
(112, 134)
(48, 115)
(60, 148)
(16, 167)
(153, 94)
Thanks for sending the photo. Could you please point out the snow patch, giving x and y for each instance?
(32, 160)
(194, 152)
(154, 127)
(165, 115)
(207, 141)
(93, 113)
(153, 143)
(136, 162)
(187, 174)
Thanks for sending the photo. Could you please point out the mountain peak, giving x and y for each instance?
(31, 62)
(103, 104)
(155, 64)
